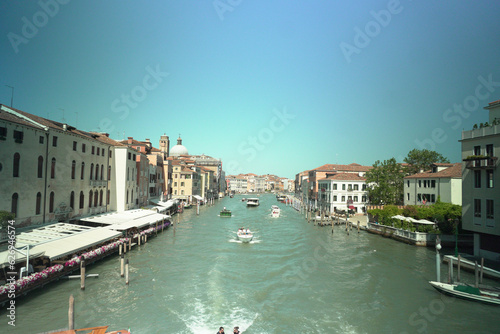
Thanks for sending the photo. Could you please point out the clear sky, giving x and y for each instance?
(267, 86)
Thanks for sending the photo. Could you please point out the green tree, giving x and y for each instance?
(5, 217)
(385, 183)
(422, 160)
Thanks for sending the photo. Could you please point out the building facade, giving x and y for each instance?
(343, 191)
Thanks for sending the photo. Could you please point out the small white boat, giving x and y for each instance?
(275, 211)
(468, 292)
(252, 202)
(244, 235)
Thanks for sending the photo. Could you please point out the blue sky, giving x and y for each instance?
(267, 86)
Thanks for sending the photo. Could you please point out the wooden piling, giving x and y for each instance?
(129, 244)
(82, 275)
(145, 238)
(122, 263)
(120, 250)
(126, 273)
(71, 313)
(481, 275)
(358, 226)
(458, 269)
(139, 239)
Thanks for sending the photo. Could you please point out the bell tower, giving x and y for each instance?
(165, 146)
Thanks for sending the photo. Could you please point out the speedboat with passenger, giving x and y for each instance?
(275, 211)
(244, 235)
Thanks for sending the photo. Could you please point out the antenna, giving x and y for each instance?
(63, 120)
(12, 96)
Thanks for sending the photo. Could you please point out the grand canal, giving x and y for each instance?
(293, 278)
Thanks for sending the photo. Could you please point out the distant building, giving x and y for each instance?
(343, 191)
(480, 181)
(443, 181)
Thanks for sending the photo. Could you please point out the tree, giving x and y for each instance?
(422, 160)
(385, 183)
(5, 217)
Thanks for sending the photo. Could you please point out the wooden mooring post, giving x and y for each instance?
(122, 263)
(129, 244)
(71, 313)
(126, 273)
(358, 226)
(120, 250)
(82, 275)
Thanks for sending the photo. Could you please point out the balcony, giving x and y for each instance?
(98, 183)
(480, 162)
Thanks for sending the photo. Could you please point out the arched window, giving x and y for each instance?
(38, 209)
(82, 199)
(72, 201)
(53, 168)
(90, 198)
(15, 198)
(91, 171)
(128, 173)
(127, 196)
(97, 171)
(108, 197)
(109, 173)
(100, 197)
(17, 161)
(51, 202)
(73, 169)
(102, 171)
(83, 170)
(132, 197)
(96, 198)
(40, 167)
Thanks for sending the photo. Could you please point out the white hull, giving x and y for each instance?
(252, 202)
(485, 296)
(245, 237)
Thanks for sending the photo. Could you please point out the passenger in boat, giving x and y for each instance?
(221, 330)
(236, 330)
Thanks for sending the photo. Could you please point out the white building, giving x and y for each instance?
(480, 182)
(343, 191)
(444, 181)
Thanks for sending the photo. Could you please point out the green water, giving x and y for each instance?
(292, 278)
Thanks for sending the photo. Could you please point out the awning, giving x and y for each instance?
(18, 257)
(139, 222)
(120, 221)
(73, 244)
(424, 222)
(198, 197)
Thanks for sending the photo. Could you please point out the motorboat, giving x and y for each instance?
(468, 292)
(275, 211)
(187, 206)
(252, 202)
(244, 235)
(225, 213)
(281, 198)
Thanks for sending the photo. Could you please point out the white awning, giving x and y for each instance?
(73, 244)
(18, 257)
(198, 197)
(424, 222)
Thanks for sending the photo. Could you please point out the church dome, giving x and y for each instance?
(178, 149)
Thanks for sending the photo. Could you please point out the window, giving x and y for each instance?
(343, 187)
(53, 168)
(175, 184)
(102, 171)
(82, 172)
(97, 171)
(54, 141)
(82, 199)
(93, 150)
(477, 179)
(90, 198)
(83, 148)
(133, 157)
(74, 146)
(109, 173)
(335, 198)
(110, 154)
(91, 171)
(14, 204)
(407, 196)
(182, 192)
(72, 200)
(489, 178)
(489, 209)
(40, 140)
(355, 198)
(182, 184)
(96, 198)
(3, 133)
(102, 152)
(100, 198)
(129, 155)
(127, 196)
(18, 136)
(363, 199)
(38, 205)
(51, 202)
(73, 169)
(349, 187)
(343, 198)
(108, 197)
(132, 197)
(40, 167)
(489, 150)
(98, 151)
(477, 150)
(433, 198)
(17, 161)
(420, 183)
(175, 192)
(477, 208)
(433, 184)
(408, 183)
(364, 186)
(128, 173)
(356, 187)
(419, 197)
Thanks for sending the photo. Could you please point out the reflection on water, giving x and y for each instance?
(292, 277)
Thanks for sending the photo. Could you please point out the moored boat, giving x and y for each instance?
(187, 206)
(468, 292)
(253, 202)
(94, 330)
(244, 235)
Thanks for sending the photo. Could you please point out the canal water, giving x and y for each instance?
(294, 277)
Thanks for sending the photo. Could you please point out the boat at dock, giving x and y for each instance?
(92, 330)
(225, 213)
(187, 206)
(244, 235)
(275, 211)
(488, 296)
(252, 202)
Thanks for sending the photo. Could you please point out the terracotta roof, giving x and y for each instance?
(106, 140)
(455, 171)
(441, 164)
(344, 177)
(354, 167)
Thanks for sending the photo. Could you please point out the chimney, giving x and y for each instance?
(129, 141)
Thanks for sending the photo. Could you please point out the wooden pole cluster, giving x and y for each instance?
(126, 273)
(71, 313)
(82, 275)
(122, 265)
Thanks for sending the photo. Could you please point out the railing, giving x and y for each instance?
(98, 183)
(481, 163)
